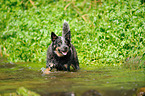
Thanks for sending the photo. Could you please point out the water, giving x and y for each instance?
(108, 81)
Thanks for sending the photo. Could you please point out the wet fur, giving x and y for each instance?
(61, 54)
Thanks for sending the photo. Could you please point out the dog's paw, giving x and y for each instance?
(46, 71)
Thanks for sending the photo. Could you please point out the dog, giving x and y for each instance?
(61, 54)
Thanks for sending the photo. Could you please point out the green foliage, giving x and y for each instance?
(135, 62)
(25, 92)
(103, 33)
(21, 91)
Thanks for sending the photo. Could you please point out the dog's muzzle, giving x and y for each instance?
(64, 50)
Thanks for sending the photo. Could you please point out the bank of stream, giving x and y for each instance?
(107, 81)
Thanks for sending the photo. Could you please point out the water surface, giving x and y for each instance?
(108, 81)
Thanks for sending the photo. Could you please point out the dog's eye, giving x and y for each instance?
(67, 42)
(59, 44)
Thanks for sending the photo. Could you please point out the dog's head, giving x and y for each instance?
(61, 44)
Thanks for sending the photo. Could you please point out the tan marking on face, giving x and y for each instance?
(65, 65)
(58, 53)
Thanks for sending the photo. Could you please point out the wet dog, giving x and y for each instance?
(61, 54)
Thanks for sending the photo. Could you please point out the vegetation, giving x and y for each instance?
(103, 32)
(135, 62)
(21, 91)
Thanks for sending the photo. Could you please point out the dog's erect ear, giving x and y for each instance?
(53, 36)
(68, 35)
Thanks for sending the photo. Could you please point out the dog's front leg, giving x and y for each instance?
(49, 67)
(66, 67)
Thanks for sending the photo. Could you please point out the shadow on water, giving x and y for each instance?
(100, 82)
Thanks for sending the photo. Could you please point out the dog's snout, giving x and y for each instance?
(65, 48)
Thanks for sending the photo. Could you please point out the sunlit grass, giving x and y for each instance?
(104, 33)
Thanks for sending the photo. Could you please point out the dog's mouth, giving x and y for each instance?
(62, 52)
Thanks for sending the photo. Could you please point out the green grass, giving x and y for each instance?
(104, 33)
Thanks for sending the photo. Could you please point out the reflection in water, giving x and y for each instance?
(91, 93)
(62, 94)
(100, 82)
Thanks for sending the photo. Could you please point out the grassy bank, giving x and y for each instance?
(104, 33)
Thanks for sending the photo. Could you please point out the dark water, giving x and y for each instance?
(108, 81)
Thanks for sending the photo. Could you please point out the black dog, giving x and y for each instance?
(61, 54)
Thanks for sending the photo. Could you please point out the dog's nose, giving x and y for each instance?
(65, 48)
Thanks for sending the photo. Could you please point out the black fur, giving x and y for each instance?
(61, 54)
